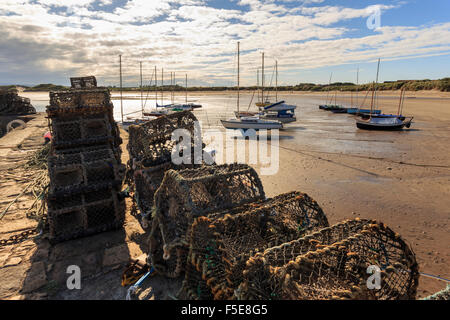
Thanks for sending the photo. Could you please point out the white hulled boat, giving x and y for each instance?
(251, 122)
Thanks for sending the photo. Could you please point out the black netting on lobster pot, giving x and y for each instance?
(80, 97)
(190, 193)
(333, 264)
(85, 169)
(151, 143)
(219, 247)
(76, 215)
(147, 181)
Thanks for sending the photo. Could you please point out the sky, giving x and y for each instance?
(48, 41)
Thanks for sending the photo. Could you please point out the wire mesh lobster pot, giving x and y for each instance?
(190, 193)
(80, 101)
(84, 170)
(83, 82)
(12, 103)
(151, 143)
(83, 149)
(147, 181)
(333, 264)
(81, 214)
(84, 130)
(220, 246)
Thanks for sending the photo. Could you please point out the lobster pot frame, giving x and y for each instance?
(83, 82)
(148, 180)
(12, 103)
(332, 264)
(190, 193)
(80, 98)
(151, 143)
(117, 152)
(219, 247)
(83, 214)
(80, 130)
(72, 172)
(83, 101)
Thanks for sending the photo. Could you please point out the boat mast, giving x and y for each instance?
(185, 98)
(257, 82)
(399, 102)
(371, 102)
(276, 80)
(328, 90)
(173, 88)
(142, 103)
(357, 84)
(238, 79)
(156, 87)
(403, 101)
(162, 86)
(121, 103)
(262, 80)
(376, 87)
(374, 95)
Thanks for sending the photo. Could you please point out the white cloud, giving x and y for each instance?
(187, 35)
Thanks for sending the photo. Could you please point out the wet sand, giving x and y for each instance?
(399, 178)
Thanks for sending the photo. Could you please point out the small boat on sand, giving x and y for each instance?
(384, 123)
(254, 123)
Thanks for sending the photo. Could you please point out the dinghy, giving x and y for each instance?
(384, 123)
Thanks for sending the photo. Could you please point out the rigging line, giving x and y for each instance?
(271, 81)
(148, 91)
(372, 158)
(331, 161)
(251, 100)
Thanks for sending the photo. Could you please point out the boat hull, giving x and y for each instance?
(363, 111)
(375, 126)
(281, 119)
(367, 116)
(236, 125)
(343, 110)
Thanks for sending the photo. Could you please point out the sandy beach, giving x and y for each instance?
(399, 178)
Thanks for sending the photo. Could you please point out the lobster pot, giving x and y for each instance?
(78, 215)
(190, 193)
(333, 264)
(84, 130)
(83, 82)
(85, 167)
(84, 170)
(12, 103)
(150, 144)
(220, 246)
(80, 101)
(148, 180)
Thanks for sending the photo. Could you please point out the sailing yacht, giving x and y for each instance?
(279, 111)
(250, 122)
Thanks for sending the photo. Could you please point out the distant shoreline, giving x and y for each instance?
(386, 93)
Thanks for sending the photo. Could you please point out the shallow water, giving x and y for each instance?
(315, 129)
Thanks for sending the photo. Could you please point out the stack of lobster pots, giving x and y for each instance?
(84, 166)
